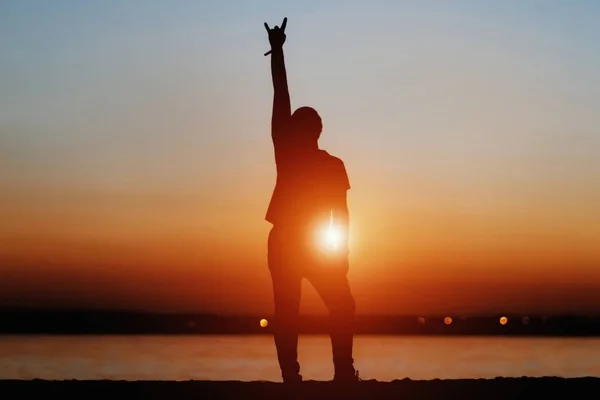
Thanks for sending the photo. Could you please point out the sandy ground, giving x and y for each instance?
(499, 388)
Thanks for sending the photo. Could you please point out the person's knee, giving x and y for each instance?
(352, 305)
(284, 313)
(345, 306)
(286, 307)
(349, 307)
(286, 320)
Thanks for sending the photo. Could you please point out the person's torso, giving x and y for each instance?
(304, 191)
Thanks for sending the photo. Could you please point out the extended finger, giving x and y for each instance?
(267, 27)
(284, 24)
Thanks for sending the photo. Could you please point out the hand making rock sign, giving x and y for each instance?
(276, 36)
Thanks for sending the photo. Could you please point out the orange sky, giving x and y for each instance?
(136, 173)
(169, 253)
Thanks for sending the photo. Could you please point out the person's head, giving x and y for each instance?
(307, 125)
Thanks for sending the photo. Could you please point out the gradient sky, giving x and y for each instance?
(136, 163)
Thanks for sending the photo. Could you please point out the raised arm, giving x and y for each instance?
(281, 98)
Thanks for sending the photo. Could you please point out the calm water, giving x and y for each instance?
(250, 358)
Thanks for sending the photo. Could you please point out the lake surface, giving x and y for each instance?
(250, 358)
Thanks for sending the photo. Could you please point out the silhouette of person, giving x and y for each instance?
(310, 193)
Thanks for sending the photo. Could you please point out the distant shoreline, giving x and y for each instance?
(270, 334)
(464, 389)
(124, 323)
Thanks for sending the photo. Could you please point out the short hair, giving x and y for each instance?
(307, 120)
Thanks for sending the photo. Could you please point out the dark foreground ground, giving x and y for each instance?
(463, 389)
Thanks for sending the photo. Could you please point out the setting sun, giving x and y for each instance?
(331, 236)
(264, 323)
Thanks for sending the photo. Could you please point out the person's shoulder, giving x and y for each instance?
(337, 170)
(333, 159)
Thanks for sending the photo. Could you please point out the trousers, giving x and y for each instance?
(290, 260)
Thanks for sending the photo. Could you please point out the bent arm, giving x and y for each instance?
(281, 98)
(340, 213)
(341, 216)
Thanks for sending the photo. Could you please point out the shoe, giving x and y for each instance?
(347, 377)
(292, 379)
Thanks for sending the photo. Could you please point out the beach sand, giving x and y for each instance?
(463, 389)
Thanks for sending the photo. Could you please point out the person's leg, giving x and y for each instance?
(333, 287)
(286, 294)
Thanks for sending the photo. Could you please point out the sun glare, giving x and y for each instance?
(333, 237)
